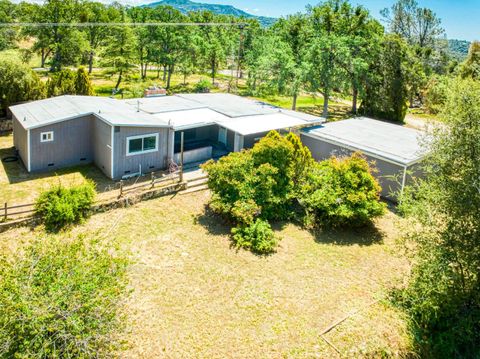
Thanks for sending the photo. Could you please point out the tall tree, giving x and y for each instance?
(97, 13)
(387, 89)
(471, 67)
(328, 47)
(65, 42)
(7, 15)
(442, 233)
(119, 54)
(292, 31)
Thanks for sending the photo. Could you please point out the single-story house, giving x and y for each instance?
(396, 151)
(127, 137)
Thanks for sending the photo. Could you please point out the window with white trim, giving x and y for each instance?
(46, 136)
(137, 145)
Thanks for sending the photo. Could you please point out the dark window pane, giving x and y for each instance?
(149, 143)
(135, 145)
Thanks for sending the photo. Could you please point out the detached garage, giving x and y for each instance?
(396, 151)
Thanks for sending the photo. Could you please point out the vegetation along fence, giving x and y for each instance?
(161, 179)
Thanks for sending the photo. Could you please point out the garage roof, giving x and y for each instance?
(381, 139)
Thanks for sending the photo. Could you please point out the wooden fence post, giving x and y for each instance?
(153, 179)
(5, 209)
(121, 189)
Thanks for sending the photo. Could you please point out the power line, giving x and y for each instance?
(112, 24)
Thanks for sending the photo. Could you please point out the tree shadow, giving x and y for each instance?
(362, 236)
(213, 223)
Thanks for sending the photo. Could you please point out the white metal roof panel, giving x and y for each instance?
(249, 125)
(191, 118)
(45, 112)
(386, 140)
(163, 104)
(231, 105)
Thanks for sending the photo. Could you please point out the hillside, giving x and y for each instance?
(186, 6)
(458, 48)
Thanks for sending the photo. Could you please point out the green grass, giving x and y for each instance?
(195, 296)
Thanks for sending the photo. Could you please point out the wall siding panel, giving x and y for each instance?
(389, 175)
(20, 141)
(153, 161)
(72, 145)
(102, 146)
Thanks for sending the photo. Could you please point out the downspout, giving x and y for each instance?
(29, 166)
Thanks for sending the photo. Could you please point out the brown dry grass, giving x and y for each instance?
(196, 297)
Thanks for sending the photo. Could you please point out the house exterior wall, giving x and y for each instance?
(102, 146)
(72, 145)
(388, 174)
(20, 141)
(149, 162)
(230, 140)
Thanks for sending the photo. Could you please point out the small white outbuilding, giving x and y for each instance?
(396, 151)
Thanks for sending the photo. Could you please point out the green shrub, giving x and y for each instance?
(435, 94)
(341, 192)
(203, 86)
(62, 206)
(61, 299)
(257, 237)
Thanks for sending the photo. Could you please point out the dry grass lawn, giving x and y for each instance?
(196, 297)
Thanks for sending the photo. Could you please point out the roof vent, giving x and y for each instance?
(99, 111)
(25, 119)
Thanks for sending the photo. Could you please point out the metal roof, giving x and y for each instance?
(381, 139)
(249, 125)
(231, 105)
(178, 111)
(191, 118)
(163, 104)
(56, 109)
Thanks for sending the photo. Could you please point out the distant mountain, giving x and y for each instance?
(459, 48)
(186, 6)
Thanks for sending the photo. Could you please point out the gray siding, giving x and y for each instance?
(150, 161)
(230, 140)
(20, 141)
(72, 145)
(389, 175)
(102, 146)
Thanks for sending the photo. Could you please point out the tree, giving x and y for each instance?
(18, 83)
(419, 26)
(119, 54)
(442, 233)
(292, 33)
(95, 12)
(471, 67)
(328, 47)
(83, 85)
(8, 15)
(167, 43)
(214, 42)
(66, 43)
(387, 88)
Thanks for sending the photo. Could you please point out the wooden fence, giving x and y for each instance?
(160, 180)
(7, 211)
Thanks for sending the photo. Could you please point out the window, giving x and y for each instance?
(46, 136)
(137, 145)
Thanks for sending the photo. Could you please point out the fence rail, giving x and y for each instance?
(6, 210)
(10, 212)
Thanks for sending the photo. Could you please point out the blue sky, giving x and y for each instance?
(461, 19)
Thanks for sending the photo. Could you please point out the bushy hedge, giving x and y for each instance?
(278, 180)
(258, 237)
(341, 192)
(62, 206)
(61, 299)
(202, 86)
